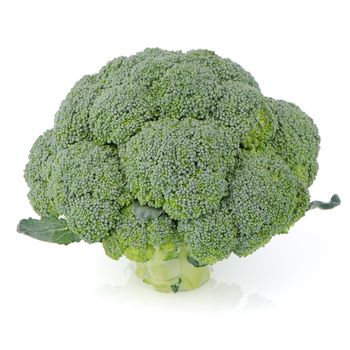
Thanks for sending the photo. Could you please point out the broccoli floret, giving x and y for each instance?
(150, 238)
(211, 237)
(296, 140)
(88, 189)
(174, 160)
(245, 111)
(71, 120)
(180, 165)
(137, 237)
(38, 174)
(265, 199)
(82, 182)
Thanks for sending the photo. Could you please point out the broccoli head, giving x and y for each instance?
(174, 160)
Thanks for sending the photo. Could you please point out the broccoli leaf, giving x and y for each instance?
(334, 202)
(47, 229)
(194, 262)
(144, 212)
(175, 287)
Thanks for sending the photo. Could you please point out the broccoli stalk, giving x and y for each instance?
(176, 274)
(167, 271)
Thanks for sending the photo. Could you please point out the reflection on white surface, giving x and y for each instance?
(214, 295)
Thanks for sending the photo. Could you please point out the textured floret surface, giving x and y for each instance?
(218, 167)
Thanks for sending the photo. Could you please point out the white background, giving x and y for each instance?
(292, 294)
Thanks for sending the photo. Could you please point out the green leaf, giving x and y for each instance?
(334, 202)
(144, 212)
(48, 229)
(175, 287)
(194, 262)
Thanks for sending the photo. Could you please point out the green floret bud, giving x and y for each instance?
(88, 189)
(72, 121)
(114, 105)
(296, 140)
(265, 199)
(245, 110)
(224, 69)
(188, 90)
(138, 235)
(210, 238)
(180, 166)
(38, 174)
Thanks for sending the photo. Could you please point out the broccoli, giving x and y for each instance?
(174, 160)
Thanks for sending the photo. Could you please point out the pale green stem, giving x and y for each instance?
(172, 275)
